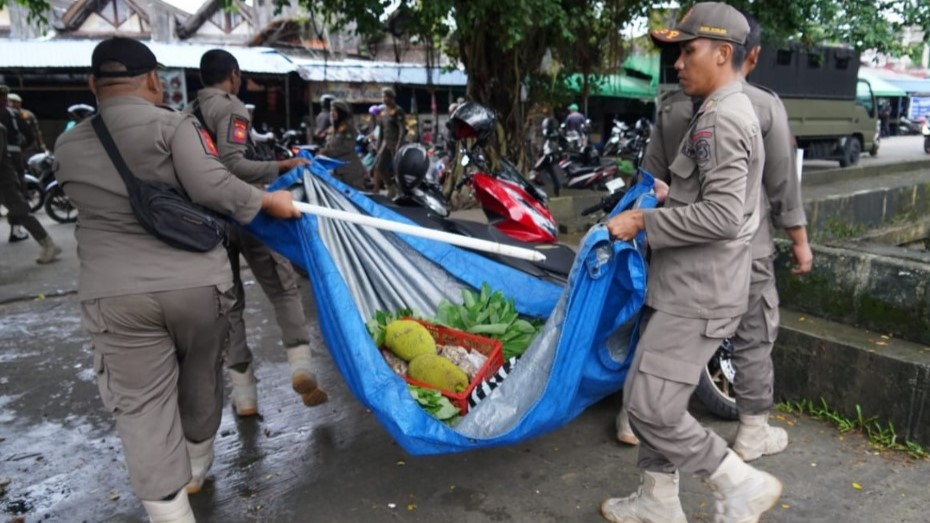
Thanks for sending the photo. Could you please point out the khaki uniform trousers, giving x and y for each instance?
(670, 356)
(158, 361)
(278, 280)
(753, 341)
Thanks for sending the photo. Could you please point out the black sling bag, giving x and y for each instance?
(164, 210)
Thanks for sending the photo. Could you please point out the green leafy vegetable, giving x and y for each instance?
(378, 323)
(435, 404)
(490, 314)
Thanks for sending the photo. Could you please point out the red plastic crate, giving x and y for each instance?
(491, 348)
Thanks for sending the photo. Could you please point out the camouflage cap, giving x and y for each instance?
(4, 89)
(714, 20)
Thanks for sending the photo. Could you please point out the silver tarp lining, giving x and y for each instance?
(384, 273)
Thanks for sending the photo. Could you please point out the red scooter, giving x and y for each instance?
(512, 205)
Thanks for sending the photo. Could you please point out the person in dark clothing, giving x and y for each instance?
(323, 120)
(341, 146)
(393, 129)
(575, 121)
(11, 197)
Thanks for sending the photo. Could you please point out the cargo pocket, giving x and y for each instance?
(103, 381)
(662, 388)
(285, 271)
(92, 317)
(721, 328)
(770, 310)
(684, 187)
(225, 298)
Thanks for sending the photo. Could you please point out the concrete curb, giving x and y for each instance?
(827, 176)
(848, 367)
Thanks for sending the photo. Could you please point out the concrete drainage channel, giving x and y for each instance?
(856, 331)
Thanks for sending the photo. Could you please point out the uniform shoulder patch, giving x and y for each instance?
(206, 141)
(703, 146)
(238, 130)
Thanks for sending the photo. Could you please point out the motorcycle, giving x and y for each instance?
(265, 146)
(619, 135)
(548, 161)
(421, 201)
(33, 192)
(925, 131)
(582, 170)
(587, 176)
(57, 204)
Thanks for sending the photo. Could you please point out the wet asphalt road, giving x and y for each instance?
(335, 463)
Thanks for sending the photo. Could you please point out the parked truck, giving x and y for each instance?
(832, 113)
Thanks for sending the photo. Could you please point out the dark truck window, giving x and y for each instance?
(783, 57)
(814, 60)
(864, 97)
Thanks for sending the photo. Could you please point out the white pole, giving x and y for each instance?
(423, 232)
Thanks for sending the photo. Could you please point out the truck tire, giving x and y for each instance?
(851, 152)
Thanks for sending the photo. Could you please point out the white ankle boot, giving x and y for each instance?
(743, 493)
(177, 510)
(244, 392)
(624, 432)
(201, 457)
(303, 380)
(756, 438)
(656, 501)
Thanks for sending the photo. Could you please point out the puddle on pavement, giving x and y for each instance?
(60, 450)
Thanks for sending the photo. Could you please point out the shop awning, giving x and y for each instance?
(880, 86)
(75, 54)
(905, 82)
(364, 71)
(615, 86)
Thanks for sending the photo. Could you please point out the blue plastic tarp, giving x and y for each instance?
(580, 357)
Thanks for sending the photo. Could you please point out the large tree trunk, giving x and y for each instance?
(495, 78)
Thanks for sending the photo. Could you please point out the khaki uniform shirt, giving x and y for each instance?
(701, 257)
(118, 257)
(393, 127)
(781, 189)
(227, 118)
(672, 118)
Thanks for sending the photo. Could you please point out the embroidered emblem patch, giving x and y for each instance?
(207, 142)
(238, 130)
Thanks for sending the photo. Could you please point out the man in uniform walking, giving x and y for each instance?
(11, 197)
(16, 135)
(699, 280)
(227, 119)
(36, 143)
(782, 207)
(393, 129)
(156, 314)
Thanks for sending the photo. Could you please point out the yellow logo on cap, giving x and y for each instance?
(713, 30)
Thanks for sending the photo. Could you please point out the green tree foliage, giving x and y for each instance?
(863, 24)
(502, 43)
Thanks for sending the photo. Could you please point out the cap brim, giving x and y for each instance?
(670, 36)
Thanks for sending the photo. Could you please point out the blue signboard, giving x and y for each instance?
(919, 108)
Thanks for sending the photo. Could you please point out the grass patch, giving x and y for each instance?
(881, 437)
